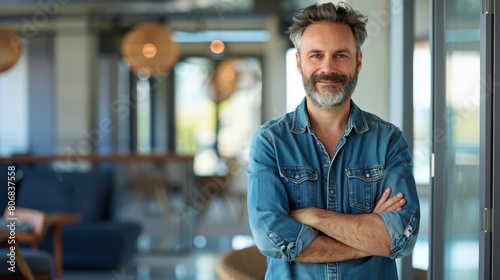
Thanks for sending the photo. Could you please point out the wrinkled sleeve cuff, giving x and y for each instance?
(403, 237)
(288, 251)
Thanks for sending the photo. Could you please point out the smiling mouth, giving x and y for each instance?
(329, 82)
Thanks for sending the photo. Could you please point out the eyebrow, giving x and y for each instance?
(345, 50)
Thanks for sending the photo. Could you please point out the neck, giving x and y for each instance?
(328, 119)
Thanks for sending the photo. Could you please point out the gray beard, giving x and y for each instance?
(329, 99)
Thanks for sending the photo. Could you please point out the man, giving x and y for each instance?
(320, 177)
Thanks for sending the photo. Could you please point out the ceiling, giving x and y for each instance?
(186, 15)
(52, 8)
(225, 14)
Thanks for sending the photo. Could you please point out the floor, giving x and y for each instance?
(167, 252)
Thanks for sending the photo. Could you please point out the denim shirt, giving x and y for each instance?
(290, 169)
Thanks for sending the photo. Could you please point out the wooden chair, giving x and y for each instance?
(237, 186)
(226, 187)
(419, 274)
(147, 181)
(244, 264)
(37, 221)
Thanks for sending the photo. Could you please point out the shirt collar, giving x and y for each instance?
(356, 120)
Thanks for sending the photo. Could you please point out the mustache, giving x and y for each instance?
(334, 77)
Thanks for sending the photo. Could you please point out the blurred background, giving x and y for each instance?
(164, 95)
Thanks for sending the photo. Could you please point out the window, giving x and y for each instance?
(215, 130)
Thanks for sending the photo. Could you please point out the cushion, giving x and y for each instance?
(38, 261)
(92, 194)
(87, 193)
(20, 226)
(55, 190)
(101, 245)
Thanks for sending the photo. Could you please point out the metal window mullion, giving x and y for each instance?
(152, 114)
(486, 144)
(133, 113)
(495, 168)
(439, 143)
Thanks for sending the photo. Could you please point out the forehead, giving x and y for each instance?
(327, 35)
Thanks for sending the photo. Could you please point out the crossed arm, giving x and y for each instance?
(348, 236)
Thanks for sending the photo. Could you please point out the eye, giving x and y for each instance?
(316, 55)
(342, 57)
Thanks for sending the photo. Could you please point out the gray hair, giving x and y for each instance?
(342, 13)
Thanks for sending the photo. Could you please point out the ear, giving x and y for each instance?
(297, 59)
(360, 61)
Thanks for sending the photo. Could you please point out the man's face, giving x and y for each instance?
(328, 63)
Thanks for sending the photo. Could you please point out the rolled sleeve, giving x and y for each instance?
(403, 236)
(273, 244)
(403, 226)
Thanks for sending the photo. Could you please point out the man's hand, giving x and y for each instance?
(385, 204)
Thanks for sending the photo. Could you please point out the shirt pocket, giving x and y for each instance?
(301, 185)
(364, 182)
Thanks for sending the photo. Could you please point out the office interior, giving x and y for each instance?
(174, 136)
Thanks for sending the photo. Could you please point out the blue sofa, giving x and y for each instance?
(98, 241)
(39, 262)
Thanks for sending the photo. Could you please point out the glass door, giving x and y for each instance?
(455, 174)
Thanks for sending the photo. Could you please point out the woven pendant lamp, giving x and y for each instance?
(10, 49)
(224, 81)
(149, 49)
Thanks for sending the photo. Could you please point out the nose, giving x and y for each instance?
(328, 65)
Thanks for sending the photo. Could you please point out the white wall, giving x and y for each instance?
(14, 107)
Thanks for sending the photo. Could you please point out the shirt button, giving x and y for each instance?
(367, 175)
(271, 235)
(297, 176)
(282, 247)
(325, 165)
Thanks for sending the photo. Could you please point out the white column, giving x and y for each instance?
(274, 91)
(74, 48)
